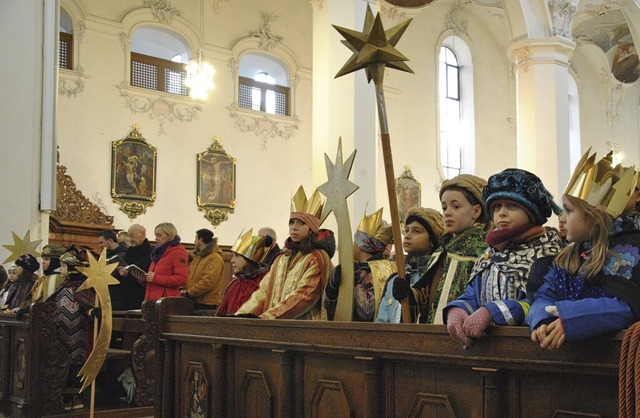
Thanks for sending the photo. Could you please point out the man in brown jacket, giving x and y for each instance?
(206, 284)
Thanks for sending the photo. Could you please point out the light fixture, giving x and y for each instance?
(199, 78)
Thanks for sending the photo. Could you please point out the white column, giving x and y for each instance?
(343, 107)
(542, 108)
(21, 119)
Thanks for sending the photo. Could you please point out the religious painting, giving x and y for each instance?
(408, 192)
(612, 34)
(133, 173)
(216, 194)
(196, 391)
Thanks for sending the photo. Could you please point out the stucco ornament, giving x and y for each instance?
(562, 13)
(268, 40)
(162, 10)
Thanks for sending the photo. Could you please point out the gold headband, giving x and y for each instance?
(601, 185)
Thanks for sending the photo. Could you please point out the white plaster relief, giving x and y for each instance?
(393, 13)
(124, 41)
(268, 40)
(161, 10)
(158, 108)
(79, 30)
(521, 59)
(562, 13)
(70, 83)
(216, 5)
(265, 126)
(453, 21)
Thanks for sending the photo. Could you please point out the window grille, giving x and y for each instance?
(65, 51)
(263, 97)
(158, 74)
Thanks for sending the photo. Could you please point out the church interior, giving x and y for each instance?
(212, 113)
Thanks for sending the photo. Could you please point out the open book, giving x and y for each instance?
(123, 264)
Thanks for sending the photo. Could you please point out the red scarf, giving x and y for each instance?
(502, 238)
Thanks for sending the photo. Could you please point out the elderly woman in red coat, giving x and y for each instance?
(169, 265)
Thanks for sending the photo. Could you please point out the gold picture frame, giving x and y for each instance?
(216, 194)
(133, 173)
(408, 193)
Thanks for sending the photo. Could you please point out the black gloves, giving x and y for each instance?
(95, 313)
(334, 283)
(402, 289)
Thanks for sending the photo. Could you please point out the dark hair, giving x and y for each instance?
(109, 234)
(484, 216)
(205, 235)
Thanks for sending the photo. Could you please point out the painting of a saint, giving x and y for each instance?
(133, 170)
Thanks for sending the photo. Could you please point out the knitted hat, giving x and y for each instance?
(28, 262)
(52, 251)
(469, 182)
(523, 188)
(429, 218)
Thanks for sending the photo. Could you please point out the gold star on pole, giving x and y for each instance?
(374, 48)
(99, 277)
(22, 246)
(338, 187)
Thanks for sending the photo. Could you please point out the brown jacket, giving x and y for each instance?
(206, 284)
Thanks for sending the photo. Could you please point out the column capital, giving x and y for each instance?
(528, 51)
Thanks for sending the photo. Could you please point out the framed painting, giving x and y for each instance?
(196, 390)
(408, 193)
(133, 173)
(216, 188)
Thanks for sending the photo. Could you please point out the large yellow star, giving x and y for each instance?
(99, 277)
(22, 246)
(374, 48)
(338, 187)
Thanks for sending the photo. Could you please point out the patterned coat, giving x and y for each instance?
(611, 304)
(499, 279)
(449, 270)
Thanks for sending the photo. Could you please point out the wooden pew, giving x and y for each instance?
(287, 369)
(33, 364)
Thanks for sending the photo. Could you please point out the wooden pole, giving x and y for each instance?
(391, 184)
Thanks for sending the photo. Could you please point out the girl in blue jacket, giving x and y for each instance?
(593, 285)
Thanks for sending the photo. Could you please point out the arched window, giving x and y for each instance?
(263, 85)
(158, 60)
(65, 49)
(455, 105)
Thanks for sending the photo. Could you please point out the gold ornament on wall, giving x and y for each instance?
(133, 173)
(216, 194)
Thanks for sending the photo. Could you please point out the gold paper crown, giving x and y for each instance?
(374, 226)
(600, 185)
(250, 246)
(313, 206)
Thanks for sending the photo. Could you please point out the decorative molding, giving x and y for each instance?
(264, 125)
(268, 40)
(521, 58)
(216, 5)
(70, 83)
(317, 3)
(162, 10)
(603, 8)
(158, 108)
(73, 206)
(79, 30)
(453, 21)
(124, 41)
(393, 13)
(562, 13)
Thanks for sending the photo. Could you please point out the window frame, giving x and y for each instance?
(161, 65)
(264, 88)
(66, 38)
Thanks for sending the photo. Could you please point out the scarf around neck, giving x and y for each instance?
(502, 238)
(159, 251)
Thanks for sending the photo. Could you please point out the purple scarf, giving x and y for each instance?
(159, 251)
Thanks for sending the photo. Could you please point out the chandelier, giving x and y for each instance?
(199, 79)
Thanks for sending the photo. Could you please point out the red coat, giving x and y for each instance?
(171, 273)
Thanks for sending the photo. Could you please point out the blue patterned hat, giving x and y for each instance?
(524, 188)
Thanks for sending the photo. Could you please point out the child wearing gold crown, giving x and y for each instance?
(249, 267)
(293, 287)
(593, 285)
(370, 269)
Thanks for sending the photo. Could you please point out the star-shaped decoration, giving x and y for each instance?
(374, 48)
(99, 277)
(22, 246)
(338, 187)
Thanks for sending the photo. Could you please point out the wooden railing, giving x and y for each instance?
(284, 369)
(34, 369)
